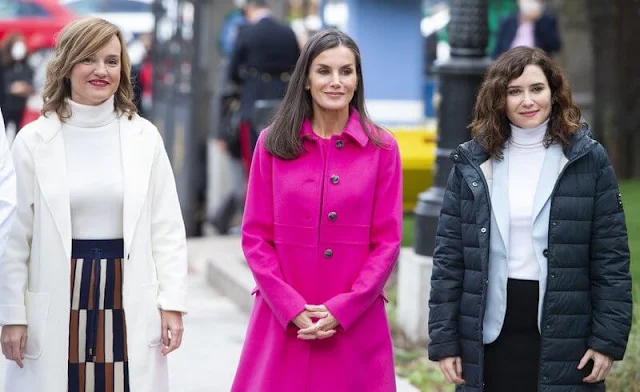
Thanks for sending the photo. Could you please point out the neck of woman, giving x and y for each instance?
(326, 123)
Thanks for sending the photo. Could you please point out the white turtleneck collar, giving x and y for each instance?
(528, 137)
(89, 116)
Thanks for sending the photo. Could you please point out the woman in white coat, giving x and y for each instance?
(93, 281)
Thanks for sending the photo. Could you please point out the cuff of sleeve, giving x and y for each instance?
(606, 347)
(438, 351)
(296, 307)
(13, 315)
(340, 311)
(173, 302)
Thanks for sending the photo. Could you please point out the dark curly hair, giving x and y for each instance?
(490, 126)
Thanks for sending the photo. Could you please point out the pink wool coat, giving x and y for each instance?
(324, 228)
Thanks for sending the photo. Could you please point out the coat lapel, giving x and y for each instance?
(551, 166)
(137, 161)
(50, 164)
(500, 196)
(487, 170)
(51, 172)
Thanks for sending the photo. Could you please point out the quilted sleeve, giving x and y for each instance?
(611, 294)
(447, 276)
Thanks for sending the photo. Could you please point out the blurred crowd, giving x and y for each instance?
(258, 52)
(17, 79)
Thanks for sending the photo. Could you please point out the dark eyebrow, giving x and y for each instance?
(344, 66)
(535, 84)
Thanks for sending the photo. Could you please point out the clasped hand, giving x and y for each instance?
(324, 327)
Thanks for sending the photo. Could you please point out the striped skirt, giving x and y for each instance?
(97, 330)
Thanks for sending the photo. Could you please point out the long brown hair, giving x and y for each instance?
(283, 139)
(490, 125)
(77, 41)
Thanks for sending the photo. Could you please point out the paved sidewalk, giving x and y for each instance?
(214, 332)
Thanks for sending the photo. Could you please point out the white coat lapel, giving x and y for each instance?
(137, 161)
(500, 196)
(50, 164)
(548, 177)
(487, 171)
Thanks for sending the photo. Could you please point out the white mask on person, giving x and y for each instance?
(528, 7)
(19, 51)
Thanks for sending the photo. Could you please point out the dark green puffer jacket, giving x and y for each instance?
(588, 302)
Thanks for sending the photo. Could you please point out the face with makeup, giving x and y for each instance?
(333, 79)
(97, 77)
(528, 102)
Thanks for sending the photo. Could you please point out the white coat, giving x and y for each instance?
(7, 189)
(35, 269)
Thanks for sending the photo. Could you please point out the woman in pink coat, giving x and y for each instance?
(321, 234)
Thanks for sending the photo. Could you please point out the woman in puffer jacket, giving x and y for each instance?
(531, 288)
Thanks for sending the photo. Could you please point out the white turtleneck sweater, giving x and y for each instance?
(94, 167)
(526, 156)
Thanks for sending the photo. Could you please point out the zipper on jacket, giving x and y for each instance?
(477, 168)
(544, 299)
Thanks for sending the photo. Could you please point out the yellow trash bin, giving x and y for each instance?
(418, 153)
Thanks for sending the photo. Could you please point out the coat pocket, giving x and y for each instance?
(37, 305)
(152, 312)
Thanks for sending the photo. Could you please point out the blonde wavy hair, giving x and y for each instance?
(77, 41)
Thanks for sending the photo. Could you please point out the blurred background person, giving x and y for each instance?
(529, 26)
(17, 79)
(264, 55)
(228, 121)
(233, 21)
(228, 140)
(140, 51)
